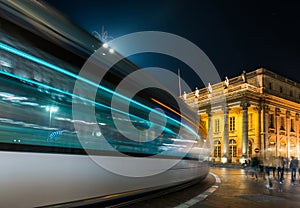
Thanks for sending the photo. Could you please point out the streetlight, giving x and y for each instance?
(105, 45)
(111, 50)
(104, 38)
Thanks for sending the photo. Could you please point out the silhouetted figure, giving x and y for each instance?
(278, 167)
(269, 180)
(282, 166)
(293, 166)
(254, 164)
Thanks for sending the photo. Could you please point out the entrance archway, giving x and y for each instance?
(232, 150)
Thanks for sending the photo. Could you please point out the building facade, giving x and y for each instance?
(254, 114)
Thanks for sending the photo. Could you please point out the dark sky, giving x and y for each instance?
(235, 35)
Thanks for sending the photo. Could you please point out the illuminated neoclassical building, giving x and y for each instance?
(254, 114)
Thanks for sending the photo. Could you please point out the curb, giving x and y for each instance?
(203, 195)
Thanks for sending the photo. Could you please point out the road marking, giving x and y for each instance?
(203, 195)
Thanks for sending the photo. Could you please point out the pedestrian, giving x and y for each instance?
(254, 166)
(267, 172)
(293, 167)
(282, 165)
(273, 163)
(268, 177)
(245, 164)
(278, 168)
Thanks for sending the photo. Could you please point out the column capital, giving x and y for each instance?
(266, 107)
(225, 108)
(256, 108)
(277, 111)
(297, 116)
(208, 111)
(288, 114)
(245, 105)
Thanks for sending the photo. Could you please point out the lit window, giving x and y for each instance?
(232, 123)
(232, 148)
(217, 148)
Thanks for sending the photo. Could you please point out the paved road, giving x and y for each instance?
(236, 190)
(240, 191)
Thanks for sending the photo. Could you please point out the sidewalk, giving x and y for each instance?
(241, 191)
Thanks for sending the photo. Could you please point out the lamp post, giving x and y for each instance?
(104, 37)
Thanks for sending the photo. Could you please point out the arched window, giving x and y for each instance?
(232, 148)
(293, 149)
(272, 146)
(282, 148)
(217, 148)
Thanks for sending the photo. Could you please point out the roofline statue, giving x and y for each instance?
(226, 82)
(244, 76)
(209, 88)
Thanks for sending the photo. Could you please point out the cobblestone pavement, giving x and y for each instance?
(242, 191)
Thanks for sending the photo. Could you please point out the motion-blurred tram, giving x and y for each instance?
(43, 161)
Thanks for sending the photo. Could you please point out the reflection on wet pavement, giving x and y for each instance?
(240, 190)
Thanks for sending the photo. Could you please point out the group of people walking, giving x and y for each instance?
(273, 168)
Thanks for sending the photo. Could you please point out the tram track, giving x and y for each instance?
(168, 197)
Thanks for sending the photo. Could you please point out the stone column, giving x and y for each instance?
(264, 129)
(210, 137)
(225, 136)
(260, 128)
(297, 134)
(266, 138)
(288, 130)
(277, 123)
(245, 142)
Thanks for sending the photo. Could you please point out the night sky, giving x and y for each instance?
(235, 35)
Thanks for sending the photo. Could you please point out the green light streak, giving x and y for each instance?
(65, 72)
(66, 93)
